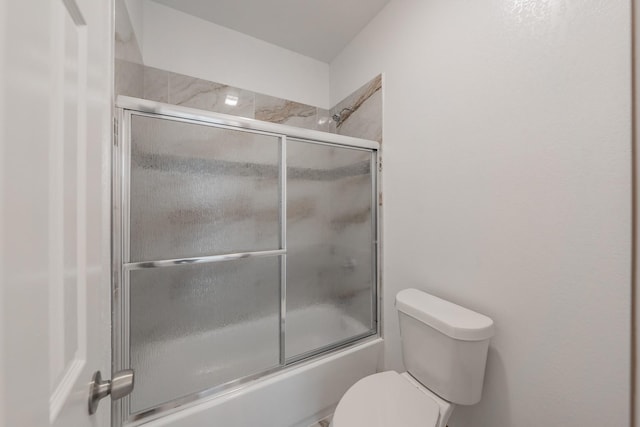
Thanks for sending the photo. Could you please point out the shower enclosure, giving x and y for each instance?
(241, 249)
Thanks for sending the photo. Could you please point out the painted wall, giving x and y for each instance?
(135, 12)
(506, 150)
(127, 37)
(177, 42)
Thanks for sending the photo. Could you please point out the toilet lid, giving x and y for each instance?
(385, 400)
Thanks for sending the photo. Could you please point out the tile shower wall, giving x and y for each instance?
(361, 111)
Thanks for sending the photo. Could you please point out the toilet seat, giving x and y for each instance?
(386, 399)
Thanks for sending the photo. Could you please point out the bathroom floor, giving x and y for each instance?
(323, 422)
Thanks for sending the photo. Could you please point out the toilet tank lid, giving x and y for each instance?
(451, 319)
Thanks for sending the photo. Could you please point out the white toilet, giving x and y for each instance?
(444, 348)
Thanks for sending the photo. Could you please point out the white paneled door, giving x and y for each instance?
(55, 133)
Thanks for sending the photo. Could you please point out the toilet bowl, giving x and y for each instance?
(444, 348)
(389, 399)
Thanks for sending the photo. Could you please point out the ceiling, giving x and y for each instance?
(319, 29)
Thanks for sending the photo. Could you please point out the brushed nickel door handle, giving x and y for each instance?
(118, 387)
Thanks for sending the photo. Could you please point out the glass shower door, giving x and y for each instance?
(203, 264)
(238, 251)
(330, 246)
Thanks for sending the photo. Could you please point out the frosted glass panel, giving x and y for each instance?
(199, 190)
(194, 327)
(329, 245)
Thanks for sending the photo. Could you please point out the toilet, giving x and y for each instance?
(444, 348)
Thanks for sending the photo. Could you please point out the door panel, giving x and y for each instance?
(55, 125)
(200, 190)
(330, 246)
(195, 327)
(67, 344)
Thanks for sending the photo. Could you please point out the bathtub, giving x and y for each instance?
(295, 396)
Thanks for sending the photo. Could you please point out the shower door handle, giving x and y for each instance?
(118, 387)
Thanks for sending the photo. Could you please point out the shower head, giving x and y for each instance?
(338, 116)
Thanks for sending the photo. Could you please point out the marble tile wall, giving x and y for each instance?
(277, 110)
(361, 111)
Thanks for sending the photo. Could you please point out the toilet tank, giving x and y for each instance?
(444, 345)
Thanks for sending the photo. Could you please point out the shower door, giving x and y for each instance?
(238, 251)
(330, 246)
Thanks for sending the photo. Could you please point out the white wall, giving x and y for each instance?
(507, 189)
(185, 44)
(127, 40)
(135, 9)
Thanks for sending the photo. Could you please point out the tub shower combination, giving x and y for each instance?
(243, 250)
